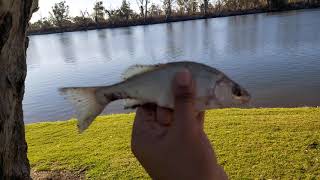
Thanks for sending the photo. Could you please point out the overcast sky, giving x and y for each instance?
(77, 5)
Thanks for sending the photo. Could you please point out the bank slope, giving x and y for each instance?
(255, 143)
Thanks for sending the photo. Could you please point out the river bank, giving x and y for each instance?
(163, 19)
(255, 143)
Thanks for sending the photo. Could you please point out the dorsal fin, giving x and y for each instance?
(138, 69)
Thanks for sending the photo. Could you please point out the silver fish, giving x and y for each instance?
(152, 84)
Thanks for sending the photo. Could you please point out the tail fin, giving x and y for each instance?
(87, 106)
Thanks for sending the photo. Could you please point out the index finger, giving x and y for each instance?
(184, 100)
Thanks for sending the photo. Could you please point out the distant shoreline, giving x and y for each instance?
(161, 20)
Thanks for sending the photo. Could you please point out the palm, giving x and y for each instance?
(171, 144)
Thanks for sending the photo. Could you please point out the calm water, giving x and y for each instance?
(275, 56)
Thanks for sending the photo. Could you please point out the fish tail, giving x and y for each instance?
(87, 104)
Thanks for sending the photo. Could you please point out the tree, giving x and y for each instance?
(277, 3)
(194, 6)
(167, 5)
(230, 4)
(187, 6)
(140, 5)
(191, 6)
(14, 18)
(42, 23)
(98, 11)
(181, 6)
(113, 15)
(206, 4)
(143, 6)
(84, 19)
(60, 13)
(146, 9)
(218, 6)
(125, 11)
(155, 10)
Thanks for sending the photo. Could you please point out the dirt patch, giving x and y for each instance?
(57, 175)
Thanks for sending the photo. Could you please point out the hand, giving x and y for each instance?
(172, 144)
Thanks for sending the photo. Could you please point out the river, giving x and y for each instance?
(276, 57)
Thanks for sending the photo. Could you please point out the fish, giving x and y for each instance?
(145, 84)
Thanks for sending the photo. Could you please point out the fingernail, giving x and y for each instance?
(184, 78)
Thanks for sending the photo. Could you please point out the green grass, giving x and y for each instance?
(250, 144)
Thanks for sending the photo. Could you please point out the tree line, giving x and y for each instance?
(164, 11)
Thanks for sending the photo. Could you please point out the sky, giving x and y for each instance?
(77, 5)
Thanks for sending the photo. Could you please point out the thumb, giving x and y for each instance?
(184, 99)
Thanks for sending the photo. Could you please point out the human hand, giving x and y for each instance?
(172, 144)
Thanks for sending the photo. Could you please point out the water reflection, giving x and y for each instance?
(130, 45)
(102, 38)
(205, 35)
(67, 48)
(276, 57)
(34, 56)
(170, 42)
(244, 36)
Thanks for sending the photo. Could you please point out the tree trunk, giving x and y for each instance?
(142, 11)
(146, 11)
(206, 4)
(168, 9)
(14, 18)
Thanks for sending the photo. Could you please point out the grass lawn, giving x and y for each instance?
(250, 144)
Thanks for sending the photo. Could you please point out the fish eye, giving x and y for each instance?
(236, 90)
